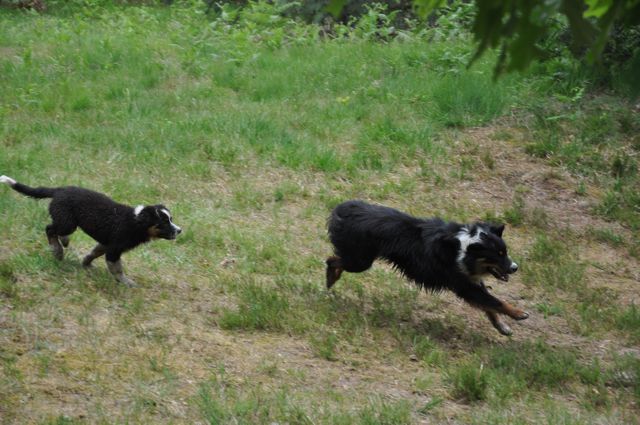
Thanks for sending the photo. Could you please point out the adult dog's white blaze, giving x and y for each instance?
(137, 210)
(466, 239)
(7, 180)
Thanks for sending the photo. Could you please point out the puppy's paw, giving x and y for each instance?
(58, 254)
(522, 315)
(128, 282)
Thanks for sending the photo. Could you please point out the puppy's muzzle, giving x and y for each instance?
(176, 231)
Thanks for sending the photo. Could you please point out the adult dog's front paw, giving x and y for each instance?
(503, 328)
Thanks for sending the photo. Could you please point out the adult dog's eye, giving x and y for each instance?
(501, 253)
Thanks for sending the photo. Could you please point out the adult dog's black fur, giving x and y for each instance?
(433, 253)
(116, 227)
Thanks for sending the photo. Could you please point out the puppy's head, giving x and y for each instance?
(157, 220)
(483, 251)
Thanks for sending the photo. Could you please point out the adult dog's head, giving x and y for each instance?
(483, 251)
(156, 219)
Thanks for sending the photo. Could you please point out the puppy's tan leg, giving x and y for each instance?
(96, 252)
(334, 270)
(54, 230)
(64, 240)
(116, 270)
(56, 248)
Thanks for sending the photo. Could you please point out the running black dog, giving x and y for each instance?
(433, 253)
(116, 227)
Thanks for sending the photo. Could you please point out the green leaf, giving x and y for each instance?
(425, 7)
(335, 7)
(605, 23)
(582, 31)
(597, 8)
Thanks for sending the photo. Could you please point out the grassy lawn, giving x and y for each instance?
(251, 134)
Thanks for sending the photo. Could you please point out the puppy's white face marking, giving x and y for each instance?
(7, 180)
(168, 214)
(466, 239)
(137, 210)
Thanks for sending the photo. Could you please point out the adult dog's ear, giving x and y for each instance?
(497, 230)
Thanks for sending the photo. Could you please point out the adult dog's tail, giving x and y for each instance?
(34, 192)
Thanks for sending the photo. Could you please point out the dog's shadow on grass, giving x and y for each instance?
(355, 309)
(95, 278)
(452, 333)
(351, 310)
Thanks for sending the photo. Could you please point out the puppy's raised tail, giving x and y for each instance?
(34, 192)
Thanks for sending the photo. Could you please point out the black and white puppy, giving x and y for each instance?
(433, 253)
(116, 227)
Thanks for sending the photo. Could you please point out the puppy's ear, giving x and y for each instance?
(146, 214)
(497, 230)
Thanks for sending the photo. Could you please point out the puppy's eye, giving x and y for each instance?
(501, 253)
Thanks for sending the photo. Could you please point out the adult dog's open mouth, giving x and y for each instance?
(498, 274)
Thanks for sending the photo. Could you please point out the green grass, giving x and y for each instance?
(506, 372)
(628, 320)
(470, 382)
(258, 309)
(609, 237)
(251, 131)
(554, 263)
(220, 402)
(594, 138)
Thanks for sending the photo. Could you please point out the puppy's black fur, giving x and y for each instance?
(116, 227)
(433, 253)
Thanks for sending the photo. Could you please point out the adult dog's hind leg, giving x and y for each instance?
(97, 251)
(334, 270)
(114, 264)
